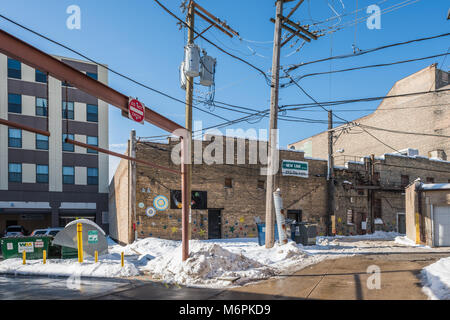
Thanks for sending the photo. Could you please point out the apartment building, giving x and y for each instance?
(43, 180)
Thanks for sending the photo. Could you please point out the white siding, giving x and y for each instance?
(28, 140)
(28, 105)
(28, 173)
(80, 111)
(80, 138)
(3, 129)
(55, 140)
(28, 73)
(81, 175)
(103, 141)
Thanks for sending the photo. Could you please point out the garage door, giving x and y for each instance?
(442, 226)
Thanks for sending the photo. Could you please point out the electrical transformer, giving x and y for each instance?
(207, 70)
(182, 77)
(192, 60)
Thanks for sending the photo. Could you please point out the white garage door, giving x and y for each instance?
(442, 226)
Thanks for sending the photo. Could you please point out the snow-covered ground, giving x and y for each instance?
(436, 280)
(216, 263)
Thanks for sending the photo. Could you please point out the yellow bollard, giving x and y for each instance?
(80, 242)
(121, 259)
(96, 256)
(24, 257)
(44, 256)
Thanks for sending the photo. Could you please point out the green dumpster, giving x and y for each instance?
(12, 247)
(68, 253)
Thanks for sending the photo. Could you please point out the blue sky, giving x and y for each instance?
(139, 39)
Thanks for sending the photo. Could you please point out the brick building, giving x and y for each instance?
(229, 197)
(426, 113)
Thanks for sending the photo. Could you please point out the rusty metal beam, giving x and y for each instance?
(24, 127)
(119, 155)
(22, 51)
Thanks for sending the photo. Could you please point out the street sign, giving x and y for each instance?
(92, 236)
(294, 168)
(136, 110)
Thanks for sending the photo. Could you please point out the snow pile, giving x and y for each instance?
(69, 267)
(214, 263)
(377, 235)
(436, 280)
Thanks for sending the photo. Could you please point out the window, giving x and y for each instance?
(261, 184)
(68, 175)
(405, 181)
(15, 172)
(67, 109)
(228, 183)
(430, 180)
(41, 173)
(92, 113)
(14, 103)
(14, 69)
(40, 76)
(41, 142)
(66, 84)
(92, 176)
(93, 141)
(41, 107)
(14, 138)
(92, 75)
(199, 200)
(68, 146)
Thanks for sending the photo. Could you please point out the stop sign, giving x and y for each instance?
(136, 110)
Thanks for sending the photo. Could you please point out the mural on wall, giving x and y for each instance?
(150, 212)
(161, 203)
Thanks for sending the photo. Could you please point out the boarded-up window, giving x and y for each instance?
(261, 184)
(228, 183)
(405, 181)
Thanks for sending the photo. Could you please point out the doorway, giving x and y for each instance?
(214, 223)
(295, 215)
(401, 223)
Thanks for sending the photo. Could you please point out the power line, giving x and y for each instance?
(362, 52)
(339, 102)
(367, 67)
(212, 43)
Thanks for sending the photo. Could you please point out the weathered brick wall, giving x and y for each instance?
(240, 204)
(391, 192)
(427, 113)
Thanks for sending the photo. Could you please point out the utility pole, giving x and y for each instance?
(196, 9)
(132, 186)
(273, 125)
(280, 22)
(189, 96)
(330, 174)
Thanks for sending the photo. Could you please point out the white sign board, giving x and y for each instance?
(294, 168)
(25, 246)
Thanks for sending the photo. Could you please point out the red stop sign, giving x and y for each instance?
(136, 110)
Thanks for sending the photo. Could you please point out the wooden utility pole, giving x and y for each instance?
(273, 126)
(330, 174)
(189, 97)
(195, 9)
